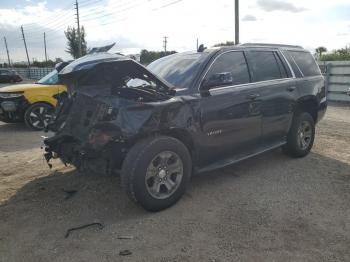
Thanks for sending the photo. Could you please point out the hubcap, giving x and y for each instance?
(164, 175)
(304, 135)
(40, 116)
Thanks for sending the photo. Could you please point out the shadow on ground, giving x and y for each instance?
(269, 207)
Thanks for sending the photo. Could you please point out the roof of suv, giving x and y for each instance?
(256, 45)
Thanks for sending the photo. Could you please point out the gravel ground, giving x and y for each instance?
(269, 208)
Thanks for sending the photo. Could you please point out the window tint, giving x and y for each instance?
(50, 79)
(285, 73)
(231, 62)
(306, 63)
(292, 64)
(264, 66)
(180, 69)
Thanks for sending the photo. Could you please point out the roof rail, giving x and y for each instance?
(271, 45)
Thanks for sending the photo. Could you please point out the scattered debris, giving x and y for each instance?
(70, 193)
(125, 252)
(125, 237)
(83, 226)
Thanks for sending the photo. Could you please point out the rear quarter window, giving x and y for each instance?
(305, 62)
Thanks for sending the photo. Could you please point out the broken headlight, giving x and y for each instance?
(104, 133)
(99, 138)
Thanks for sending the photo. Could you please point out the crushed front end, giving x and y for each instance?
(110, 102)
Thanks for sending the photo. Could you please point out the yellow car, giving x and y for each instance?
(31, 103)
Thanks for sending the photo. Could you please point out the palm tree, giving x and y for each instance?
(320, 50)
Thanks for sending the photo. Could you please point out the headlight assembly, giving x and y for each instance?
(11, 95)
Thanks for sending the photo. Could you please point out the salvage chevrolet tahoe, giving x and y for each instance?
(185, 113)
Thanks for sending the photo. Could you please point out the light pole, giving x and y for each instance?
(236, 22)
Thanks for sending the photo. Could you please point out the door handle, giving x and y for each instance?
(252, 96)
(290, 88)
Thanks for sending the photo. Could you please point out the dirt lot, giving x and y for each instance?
(270, 208)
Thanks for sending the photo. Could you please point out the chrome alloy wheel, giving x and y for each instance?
(40, 116)
(304, 135)
(164, 175)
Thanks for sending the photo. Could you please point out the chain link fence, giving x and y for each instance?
(33, 73)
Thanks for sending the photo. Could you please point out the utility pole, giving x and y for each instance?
(45, 47)
(165, 43)
(79, 35)
(236, 22)
(197, 44)
(25, 45)
(7, 50)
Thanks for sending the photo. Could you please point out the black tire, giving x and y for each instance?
(139, 160)
(38, 115)
(295, 147)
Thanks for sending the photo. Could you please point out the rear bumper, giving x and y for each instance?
(322, 109)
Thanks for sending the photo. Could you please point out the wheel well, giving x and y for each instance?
(182, 135)
(38, 102)
(309, 106)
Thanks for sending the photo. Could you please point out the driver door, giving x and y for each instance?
(230, 111)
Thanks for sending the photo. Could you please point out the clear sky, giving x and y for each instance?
(139, 24)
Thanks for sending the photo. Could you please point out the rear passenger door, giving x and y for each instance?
(278, 93)
(230, 113)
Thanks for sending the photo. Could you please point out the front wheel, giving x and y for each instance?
(38, 115)
(301, 136)
(156, 171)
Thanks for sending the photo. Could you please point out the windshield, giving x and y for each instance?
(178, 69)
(50, 79)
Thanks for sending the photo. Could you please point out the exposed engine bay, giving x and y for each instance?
(110, 102)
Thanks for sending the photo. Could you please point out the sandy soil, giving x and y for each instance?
(269, 208)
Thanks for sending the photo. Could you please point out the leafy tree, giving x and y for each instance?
(149, 56)
(320, 50)
(342, 54)
(73, 41)
(227, 43)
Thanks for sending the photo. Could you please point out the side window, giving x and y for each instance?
(264, 66)
(292, 63)
(284, 70)
(306, 63)
(232, 62)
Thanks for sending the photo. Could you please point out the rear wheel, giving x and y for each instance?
(156, 171)
(38, 115)
(301, 136)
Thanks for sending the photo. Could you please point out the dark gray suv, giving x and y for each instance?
(184, 114)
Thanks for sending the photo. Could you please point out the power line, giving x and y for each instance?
(114, 13)
(110, 8)
(49, 17)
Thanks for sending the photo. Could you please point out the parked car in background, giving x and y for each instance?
(185, 113)
(32, 103)
(9, 76)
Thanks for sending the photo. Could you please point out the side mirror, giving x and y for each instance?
(215, 80)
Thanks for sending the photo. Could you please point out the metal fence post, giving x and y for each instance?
(328, 73)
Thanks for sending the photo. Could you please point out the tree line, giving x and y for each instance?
(342, 54)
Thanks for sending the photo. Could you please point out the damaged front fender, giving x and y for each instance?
(110, 105)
